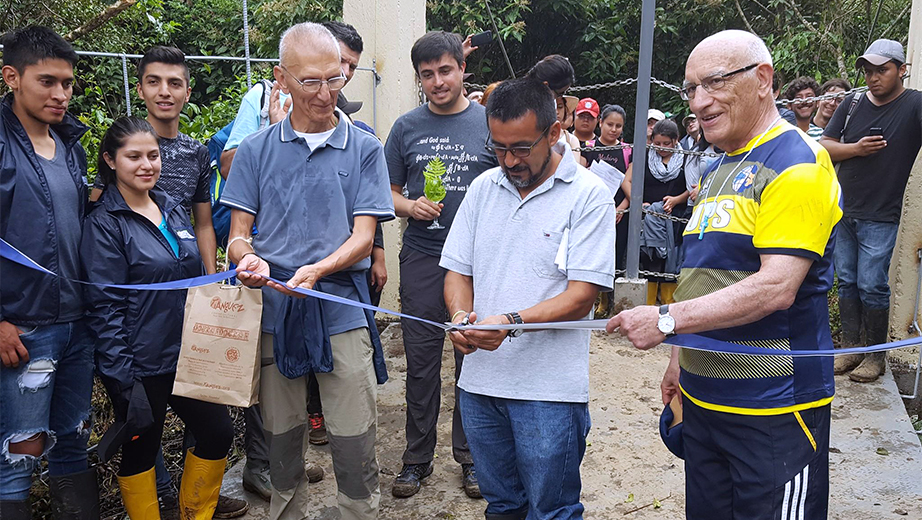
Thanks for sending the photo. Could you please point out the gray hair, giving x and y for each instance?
(310, 35)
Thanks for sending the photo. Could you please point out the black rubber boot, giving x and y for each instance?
(16, 510)
(877, 323)
(74, 496)
(850, 316)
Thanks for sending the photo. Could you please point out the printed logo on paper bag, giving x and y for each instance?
(232, 355)
(226, 306)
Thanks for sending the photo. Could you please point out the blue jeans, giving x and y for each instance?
(527, 454)
(49, 394)
(862, 259)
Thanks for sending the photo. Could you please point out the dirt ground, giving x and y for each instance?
(627, 471)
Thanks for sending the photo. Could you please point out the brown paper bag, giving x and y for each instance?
(219, 358)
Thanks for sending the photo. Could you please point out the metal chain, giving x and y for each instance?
(664, 216)
(649, 273)
(821, 98)
(682, 151)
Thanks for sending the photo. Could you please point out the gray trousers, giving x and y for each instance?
(421, 294)
(350, 413)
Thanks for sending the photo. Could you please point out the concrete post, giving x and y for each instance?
(388, 29)
(904, 269)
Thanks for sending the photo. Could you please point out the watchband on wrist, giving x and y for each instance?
(514, 317)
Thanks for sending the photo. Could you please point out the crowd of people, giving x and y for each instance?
(523, 232)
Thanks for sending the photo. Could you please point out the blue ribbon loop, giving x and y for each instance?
(690, 341)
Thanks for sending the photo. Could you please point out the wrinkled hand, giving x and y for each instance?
(277, 111)
(457, 338)
(638, 325)
(466, 47)
(305, 278)
(12, 351)
(870, 144)
(378, 275)
(670, 384)
(487, 339)
(425, 209)
(256, 265)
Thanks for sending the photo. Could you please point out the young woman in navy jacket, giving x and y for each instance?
(138, 235)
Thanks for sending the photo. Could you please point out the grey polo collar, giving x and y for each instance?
(339, 139)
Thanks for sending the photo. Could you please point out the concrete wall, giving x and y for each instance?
(904, 271)
(388, 29)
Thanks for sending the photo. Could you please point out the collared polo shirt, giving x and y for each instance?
(508, 245)
(305, 202)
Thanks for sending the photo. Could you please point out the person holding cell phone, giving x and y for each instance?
(875, 138)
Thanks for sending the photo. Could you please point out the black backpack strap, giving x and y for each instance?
(856, 98)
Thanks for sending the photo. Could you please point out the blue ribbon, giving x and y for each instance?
(14, 255)
(689, 341)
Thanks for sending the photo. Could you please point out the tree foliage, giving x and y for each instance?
(817, 38)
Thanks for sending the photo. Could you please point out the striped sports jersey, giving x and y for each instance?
(784, 199)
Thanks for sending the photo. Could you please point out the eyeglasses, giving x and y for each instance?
(312, 86)
(520, 152)
(712, 83)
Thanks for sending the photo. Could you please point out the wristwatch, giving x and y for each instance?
(666, 323)
(514, 317)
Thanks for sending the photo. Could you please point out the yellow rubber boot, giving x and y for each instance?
(139, 494)
(201, 483)
(667, 292)
(652, 289)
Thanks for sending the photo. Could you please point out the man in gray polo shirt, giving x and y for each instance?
(315, 186)
(532, 242)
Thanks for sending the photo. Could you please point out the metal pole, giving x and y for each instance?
(499, 38)
(246, 43)
(375, 79)
(127, 88)
(644, 70)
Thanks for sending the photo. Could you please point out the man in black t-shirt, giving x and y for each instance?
(875, 139)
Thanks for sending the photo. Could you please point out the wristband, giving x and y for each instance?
(245, 239)
(455, 315)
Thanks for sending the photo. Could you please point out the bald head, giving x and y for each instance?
(734, 43)
(306, 38)
(733, 98)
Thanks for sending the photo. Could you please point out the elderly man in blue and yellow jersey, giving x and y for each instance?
(758, 264)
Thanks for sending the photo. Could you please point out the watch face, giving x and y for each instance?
(666, 324)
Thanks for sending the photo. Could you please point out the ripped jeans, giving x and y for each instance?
(48, 394)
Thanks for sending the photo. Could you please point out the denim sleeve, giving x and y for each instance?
(247, 120)
(102, 257)
(242, 188)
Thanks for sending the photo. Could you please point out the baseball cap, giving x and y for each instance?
(670, 428)
(882, 51)
(688, 118)
(655, 114)
(588, 105)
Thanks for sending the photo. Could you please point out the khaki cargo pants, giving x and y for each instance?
(350, 412)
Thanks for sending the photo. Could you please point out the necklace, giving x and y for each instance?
(707, 190)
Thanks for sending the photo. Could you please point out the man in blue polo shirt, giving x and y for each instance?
(315, 186)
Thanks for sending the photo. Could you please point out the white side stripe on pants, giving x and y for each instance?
(792, 507)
